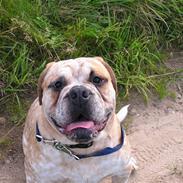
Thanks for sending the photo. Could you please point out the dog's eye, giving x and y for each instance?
(58, 84)
(96, 80)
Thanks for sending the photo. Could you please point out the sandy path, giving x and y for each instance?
(156, 137)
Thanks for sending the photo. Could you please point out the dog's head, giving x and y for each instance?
(78, 96)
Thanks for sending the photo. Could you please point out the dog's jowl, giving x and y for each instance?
(72, 133)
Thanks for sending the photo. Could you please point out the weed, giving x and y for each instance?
(5, 142)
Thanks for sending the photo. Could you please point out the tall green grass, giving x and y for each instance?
(129, 34)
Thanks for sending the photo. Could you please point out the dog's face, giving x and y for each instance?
(78, 96)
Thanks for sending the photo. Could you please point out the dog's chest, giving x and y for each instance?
(54, 166)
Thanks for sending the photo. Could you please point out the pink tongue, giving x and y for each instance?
(83, 124)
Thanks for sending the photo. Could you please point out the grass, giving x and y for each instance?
(130, 34)
(4, 142)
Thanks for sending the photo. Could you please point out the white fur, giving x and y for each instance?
(52, 171)
(121, 115)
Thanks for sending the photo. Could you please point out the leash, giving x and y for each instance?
(66, 148)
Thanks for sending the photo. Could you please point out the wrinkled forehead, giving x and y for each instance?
(78, 69)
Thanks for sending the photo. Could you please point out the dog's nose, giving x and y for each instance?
(79, 95)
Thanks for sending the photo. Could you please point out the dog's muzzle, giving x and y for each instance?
(83, 126)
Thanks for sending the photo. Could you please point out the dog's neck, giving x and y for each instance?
(109, 137)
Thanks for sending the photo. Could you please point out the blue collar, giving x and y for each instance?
(67, 148)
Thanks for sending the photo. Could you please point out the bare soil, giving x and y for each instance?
(156, 137)
(155, 132)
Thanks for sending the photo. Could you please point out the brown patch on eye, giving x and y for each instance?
(94, 74)
(101, 71)
(101, 88)
(111, 72)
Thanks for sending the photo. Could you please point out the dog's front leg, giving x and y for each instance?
(123, 178)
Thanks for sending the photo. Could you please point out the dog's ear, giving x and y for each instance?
(40, 81)
(111, 72)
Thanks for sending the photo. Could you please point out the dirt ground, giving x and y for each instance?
(155, 132)
(156, 137)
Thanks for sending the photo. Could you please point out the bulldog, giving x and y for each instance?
(72, 133)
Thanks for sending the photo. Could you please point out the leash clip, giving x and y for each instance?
(39, 138)
(59, 146)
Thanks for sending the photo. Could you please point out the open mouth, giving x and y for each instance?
(80, 123)
(82, 129)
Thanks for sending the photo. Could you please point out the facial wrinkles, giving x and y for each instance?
(75, 71)
(62, 68)
(85, 70)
